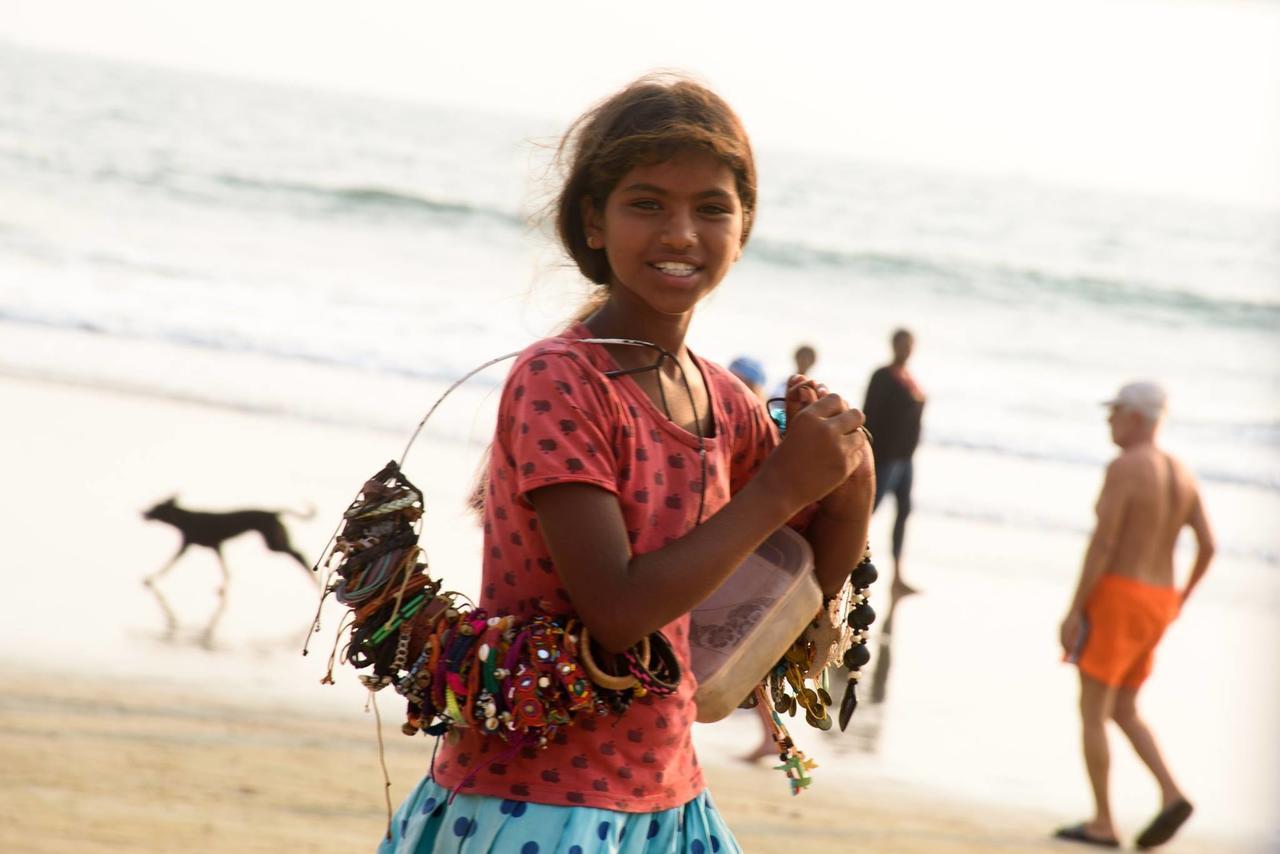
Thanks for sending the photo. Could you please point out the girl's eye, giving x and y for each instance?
(714, 210)
(645, 204)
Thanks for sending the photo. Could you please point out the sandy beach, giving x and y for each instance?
(115, 739)
(96, 766)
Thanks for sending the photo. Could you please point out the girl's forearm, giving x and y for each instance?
(838, 532)
(660, 586)
(621, 597)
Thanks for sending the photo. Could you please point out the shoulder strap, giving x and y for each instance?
(633, 342)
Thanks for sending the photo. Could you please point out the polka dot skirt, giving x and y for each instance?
(427, 823)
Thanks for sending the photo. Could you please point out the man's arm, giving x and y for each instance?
(1112, 506)
(1205, 547)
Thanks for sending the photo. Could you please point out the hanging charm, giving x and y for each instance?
(860, 618)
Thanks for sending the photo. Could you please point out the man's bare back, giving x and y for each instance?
(1156, 496)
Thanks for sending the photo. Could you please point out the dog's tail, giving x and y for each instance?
(307, 514)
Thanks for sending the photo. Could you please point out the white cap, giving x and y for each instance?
(1146, 398)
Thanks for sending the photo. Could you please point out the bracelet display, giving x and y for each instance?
(459, 667)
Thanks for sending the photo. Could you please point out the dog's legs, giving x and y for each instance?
(207, 638)
(277, 540)
(151, 579)
(171, 619)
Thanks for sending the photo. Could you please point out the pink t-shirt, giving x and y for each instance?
(562, 420)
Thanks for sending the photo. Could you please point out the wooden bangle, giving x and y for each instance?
(598, 676)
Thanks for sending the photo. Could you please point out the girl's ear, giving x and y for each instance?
(592, 222)
(746, 227)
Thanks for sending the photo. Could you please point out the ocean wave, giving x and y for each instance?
(1267, 483)
(998, 282)
(388, 364)
(978, 279)
(293, 196)
(370, 198)
(220, 341)
(1039, 522)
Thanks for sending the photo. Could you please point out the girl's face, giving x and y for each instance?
(671, 230)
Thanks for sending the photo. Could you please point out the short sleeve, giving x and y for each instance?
(555, 424)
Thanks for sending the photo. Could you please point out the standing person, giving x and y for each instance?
(1124, 601)
(894, 406)
(751, 372)
(805, 358)
(625, 483)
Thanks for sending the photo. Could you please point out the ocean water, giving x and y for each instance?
(330, 236)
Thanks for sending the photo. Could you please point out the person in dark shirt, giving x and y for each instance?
(805, 357)
(893, 409)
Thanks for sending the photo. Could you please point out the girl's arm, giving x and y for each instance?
(839, 530)
(622, 597)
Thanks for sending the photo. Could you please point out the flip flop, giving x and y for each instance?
(1164, 825)
(1077, 833)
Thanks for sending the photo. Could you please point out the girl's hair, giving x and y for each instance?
(645, 123)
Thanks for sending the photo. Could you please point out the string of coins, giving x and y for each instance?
(800, 679)
(516, 678)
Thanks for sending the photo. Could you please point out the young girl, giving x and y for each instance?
(627, 482)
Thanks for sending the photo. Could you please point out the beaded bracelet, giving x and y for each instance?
(659, 674)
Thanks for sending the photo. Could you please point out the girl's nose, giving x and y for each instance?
(679, 233)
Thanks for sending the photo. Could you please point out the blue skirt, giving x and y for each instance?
(427, 823)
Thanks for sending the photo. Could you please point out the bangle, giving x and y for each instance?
(605, 680)
(659, 671)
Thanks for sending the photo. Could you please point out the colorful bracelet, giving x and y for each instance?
(519, 678)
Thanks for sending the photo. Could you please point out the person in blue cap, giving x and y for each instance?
(750, 371)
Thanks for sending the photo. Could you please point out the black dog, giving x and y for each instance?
(212, 530)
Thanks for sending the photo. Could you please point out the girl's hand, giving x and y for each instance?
(853, 498)
(801, 391)
(823, 445)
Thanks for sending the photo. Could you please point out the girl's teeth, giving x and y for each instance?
(676, 269)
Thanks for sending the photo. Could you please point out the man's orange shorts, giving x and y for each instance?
(1126, 620)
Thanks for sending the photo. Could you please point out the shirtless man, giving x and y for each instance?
(1126, 598)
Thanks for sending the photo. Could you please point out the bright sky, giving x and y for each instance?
(1178, 96)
